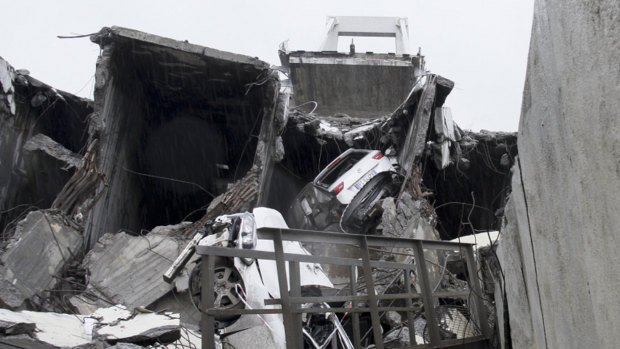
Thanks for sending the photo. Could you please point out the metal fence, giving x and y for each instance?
(425, 297)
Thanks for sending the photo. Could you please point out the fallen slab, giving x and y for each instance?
(44, 243)
(54, 149)
(127, 269)
(143, 329)
(97, 330)
(57, 330)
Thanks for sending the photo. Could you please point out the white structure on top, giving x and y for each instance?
(395, 27)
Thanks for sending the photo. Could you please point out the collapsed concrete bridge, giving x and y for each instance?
(178, 132)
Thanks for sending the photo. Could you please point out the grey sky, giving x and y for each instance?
(481, 45)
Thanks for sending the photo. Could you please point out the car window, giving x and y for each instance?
(340, 169)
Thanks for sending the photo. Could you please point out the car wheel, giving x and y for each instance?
(356, 218)
(225, 295)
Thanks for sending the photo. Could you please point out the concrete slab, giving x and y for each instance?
(359, 85)
(43, 244)
(58, 330)
(142, 328)
(128, 269)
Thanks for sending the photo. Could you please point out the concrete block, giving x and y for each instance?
(128, 269)
(43, 244)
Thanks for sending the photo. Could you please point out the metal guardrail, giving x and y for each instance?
(290, 302)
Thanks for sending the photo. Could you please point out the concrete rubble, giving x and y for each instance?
(41, 131)
(104, 327)
(115, 256)
(42, 247)
(179, 134)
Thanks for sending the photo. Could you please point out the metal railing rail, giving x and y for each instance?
(291, 301)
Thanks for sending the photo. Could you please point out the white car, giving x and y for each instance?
(246, 283)
(348, 173)
(342, 194)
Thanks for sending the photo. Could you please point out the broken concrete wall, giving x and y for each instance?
(177, 123)
(34, 118)
(362, 85)
(568, 175)
(125, 269)
(270, 148)
(516, 291)
(43, 245)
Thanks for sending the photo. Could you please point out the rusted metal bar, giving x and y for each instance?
(409, 303)
(291, 311)
(295, 285)
(303, 235)
(390, 296)
(232, 252)
(214, 312)
(363, 298)
(307, 310)
(208, 322)
(355, 317)
(287, 314)
(427, 294)
(454, 343)
(372, 297)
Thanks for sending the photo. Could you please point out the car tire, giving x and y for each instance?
(355, 218)
(225, 294)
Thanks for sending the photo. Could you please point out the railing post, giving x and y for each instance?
(478, 301)
(372, 297)
(409, 303)
(287, 314)
(292, 312)
(427, 294)
(295, 284)
(355, 317)
(207, 271)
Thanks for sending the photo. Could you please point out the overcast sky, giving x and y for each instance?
(481, 45)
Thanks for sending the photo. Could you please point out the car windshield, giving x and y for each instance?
(340, 168)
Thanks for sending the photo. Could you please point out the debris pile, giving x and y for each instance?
(112, 325)
(99, 198)
(43, 247)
